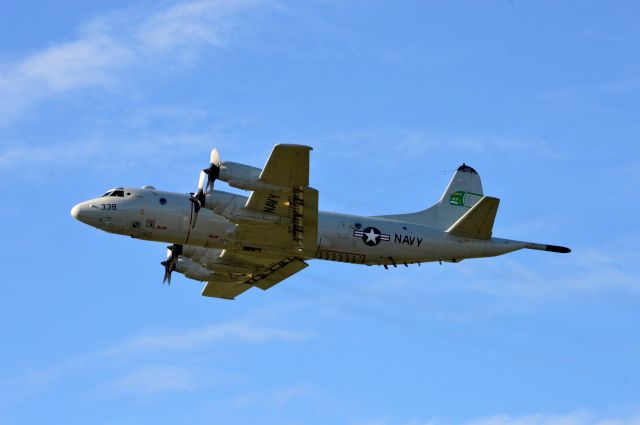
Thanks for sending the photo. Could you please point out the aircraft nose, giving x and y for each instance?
(80, 212)
(75, 212)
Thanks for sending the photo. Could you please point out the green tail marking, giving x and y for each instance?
(458, 198)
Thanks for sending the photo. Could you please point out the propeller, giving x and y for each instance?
(213, 172)
(173, 252)
(210, 175)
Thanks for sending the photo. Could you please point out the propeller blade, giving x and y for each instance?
(167, 273)
(203, 176)
(195, 218)
(210, 175)
(173, 251)
(168, 266)
(215, 157)
(199, 198)
(213, 172)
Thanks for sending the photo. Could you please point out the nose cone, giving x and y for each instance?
(75, 212)
(81, 213)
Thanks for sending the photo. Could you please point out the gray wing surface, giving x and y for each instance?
(267, 271)
(225, 290)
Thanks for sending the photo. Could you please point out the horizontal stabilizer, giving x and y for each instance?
(477, 223)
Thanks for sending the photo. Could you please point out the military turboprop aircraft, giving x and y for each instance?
(234, 243)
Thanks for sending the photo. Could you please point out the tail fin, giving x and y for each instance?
(463, 192)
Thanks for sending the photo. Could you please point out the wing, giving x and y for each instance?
(224, 290)
(272, 269)
(228, 273)
(288, 165)
(290, 206)
(278, 227)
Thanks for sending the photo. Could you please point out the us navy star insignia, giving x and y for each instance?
(371, 236)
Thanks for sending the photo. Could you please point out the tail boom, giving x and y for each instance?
(550, 248)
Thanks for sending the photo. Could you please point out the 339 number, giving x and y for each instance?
(108, 206)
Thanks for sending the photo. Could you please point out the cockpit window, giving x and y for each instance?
(119, 191)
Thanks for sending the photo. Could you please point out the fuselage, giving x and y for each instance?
(160, 216)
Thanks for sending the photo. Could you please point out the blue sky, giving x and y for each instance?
(540, 97)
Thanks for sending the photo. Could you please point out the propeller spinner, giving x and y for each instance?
(210, 174)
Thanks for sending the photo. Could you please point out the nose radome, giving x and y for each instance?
(81, 212)
(75, 211)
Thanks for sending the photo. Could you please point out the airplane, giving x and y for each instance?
(233, 242)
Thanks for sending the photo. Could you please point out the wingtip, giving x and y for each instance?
(292, 145)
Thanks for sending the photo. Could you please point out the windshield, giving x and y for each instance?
(119, 192)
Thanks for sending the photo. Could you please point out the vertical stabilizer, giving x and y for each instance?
(462, 193)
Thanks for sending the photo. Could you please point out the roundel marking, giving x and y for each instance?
(371, 236)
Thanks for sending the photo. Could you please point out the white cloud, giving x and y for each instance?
(22, 386)
(578, 417)
(107, 45)
(153, 380)
(574, 418)
(279, 397)
(143, 379)
(586, 270)
(420, 143)
(63, 154)
(192, 339)
(93, 152)
(86, 62)
(614, 87)
(199, 22)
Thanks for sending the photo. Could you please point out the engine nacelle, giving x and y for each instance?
(219, 201)
(239, 175)
(244, 177)
(218, 265)
(244, 216)
(211, 260)
(196, 271)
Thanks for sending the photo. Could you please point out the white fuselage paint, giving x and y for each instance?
(341, 237)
